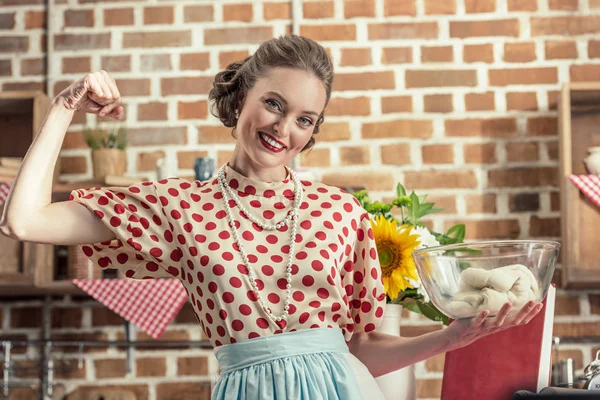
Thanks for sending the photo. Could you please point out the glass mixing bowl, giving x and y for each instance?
(466, 278)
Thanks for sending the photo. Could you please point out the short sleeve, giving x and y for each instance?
(144, 247)
(362, 280)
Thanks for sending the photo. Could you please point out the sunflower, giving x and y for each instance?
(394, 247)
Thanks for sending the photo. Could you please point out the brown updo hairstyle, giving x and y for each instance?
(231, 85)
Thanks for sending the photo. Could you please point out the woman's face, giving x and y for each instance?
(278, 117)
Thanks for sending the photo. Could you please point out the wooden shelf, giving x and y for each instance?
(51, 288)
(579, 118)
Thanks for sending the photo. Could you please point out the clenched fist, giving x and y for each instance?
(95, 93)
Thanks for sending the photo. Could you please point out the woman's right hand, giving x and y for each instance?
(95, 93)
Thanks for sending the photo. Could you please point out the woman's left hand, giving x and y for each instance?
(465, 331)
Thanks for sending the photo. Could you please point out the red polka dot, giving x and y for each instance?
(315, 304)
(272, 239)
(366, 307)
(308, 281)
(337, 216)
(223, 314)
(208, 206)
(221, 214)
(224, 235)
(323, 293)
(369, 327)
(212, 287)
(253, 335)
(335, 197)
(250, 189)
(262, 249)
(317, 265)
(235, 282)
(228, 297)
(303, 317)
(267, 270)
(282, 283)
(227, 256)
(255, 204)
(237, 325)
(326, 204)
(262, 323)
(251, 295)
(214, 246)
(347, 207)
(200, 238)
(221, 331)
(379, 312)
(316, 213)
(268, 214)
(273, 298)
(301, 255)
(247, 235)
(298, 296)
(211, 226)
(306, 224)
(279, 205)
(245, 309)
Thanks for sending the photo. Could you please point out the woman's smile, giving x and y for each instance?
(270, 143)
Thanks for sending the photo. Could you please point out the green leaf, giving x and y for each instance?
(400, 190)
(457, 232)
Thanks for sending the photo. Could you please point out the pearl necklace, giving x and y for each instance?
(292, 215)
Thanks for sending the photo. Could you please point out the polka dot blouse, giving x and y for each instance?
(175, 228)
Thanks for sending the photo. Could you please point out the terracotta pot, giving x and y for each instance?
(400, 384)
(108, 162)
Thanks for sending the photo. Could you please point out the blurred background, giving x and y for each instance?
(454, 98)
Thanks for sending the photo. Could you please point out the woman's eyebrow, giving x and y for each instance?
(284, 101)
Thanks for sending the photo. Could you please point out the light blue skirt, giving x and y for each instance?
(308, 364)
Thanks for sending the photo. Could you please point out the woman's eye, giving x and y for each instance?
(306, 121)
(272, 104)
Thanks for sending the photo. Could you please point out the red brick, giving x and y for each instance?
(575, 329)
(198, 13)
(522, 151)
(359, 8)
(436, 7)
(396, 55)
(155, 62)
(522, 5)
(6, 68)
(33, 66)
(119, 17)
(406, 30)
(494, 127)
(480, 6)
(523, 177)
(394, 104)
(364, 81)
(567, 304)
(524, 202)
(436, 54)
(594, 4)
(153, 111)
(317, 9)
(440, 78)
(568, 5)
(428, 388)
(349, 106)
(522, 76)
(237, 12)
(79, 18)
(157, 39)
(329, 32)
(519, 52)
(490, 229)
(396, 154)
(229, 57)
(316, 157)
(372, 180)
(35, 20)
(542, 126)
(151, 366)
(114, 64)
(395, 7)
(438, 103)
(552, 149)
(481, 203)
(110, 368)
(405, 128)
(194, 62)
(478, 53)
(81, 41)
(182, 390)
(553, 99)
(148, 136)
(594, 49)
(185, 160)
(565, 25)
(334, 131)
(255, 34)
(133, 87)
(522, 101)
(476, 153)
(7, 21)
(544, 227)
(358, 155)
(272, 11)
(440, 179)
(185, 85)
(498, 27)
(356, 57)
(192, 110)
(560, 49)
(159, 15)
(480, 101)
(584, 73)
(438, 154)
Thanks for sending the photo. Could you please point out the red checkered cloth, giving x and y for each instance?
(4, 189)
(151, 304)
(589, 185)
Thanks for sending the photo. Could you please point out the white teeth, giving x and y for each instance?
(270, 141)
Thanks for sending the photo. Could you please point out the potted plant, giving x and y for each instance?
(108, 150)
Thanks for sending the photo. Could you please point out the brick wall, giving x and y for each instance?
(455, 98)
